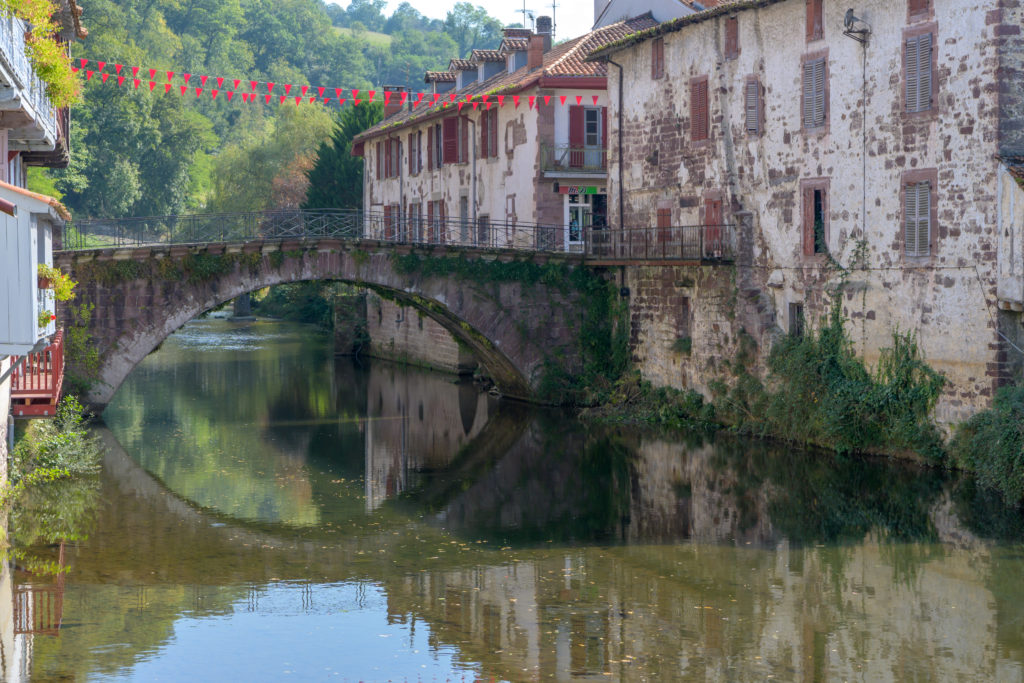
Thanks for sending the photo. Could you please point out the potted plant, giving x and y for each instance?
(45, 318)
(52, 278)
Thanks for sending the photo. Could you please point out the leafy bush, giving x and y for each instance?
(57, 448)
(991, 444)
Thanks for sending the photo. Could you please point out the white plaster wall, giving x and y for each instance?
(562, 111)
(949, 299)
(1011, 239)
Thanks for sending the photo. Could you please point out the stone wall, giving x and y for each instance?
(404, 334)
(867, 151)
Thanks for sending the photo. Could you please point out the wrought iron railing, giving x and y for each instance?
(313, 224)
(690, 243)
(12, 49)
(568, 159)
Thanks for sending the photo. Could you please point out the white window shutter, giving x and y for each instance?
(924, 67)
(753, 114)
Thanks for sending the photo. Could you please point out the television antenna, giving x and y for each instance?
(554, 24)
(527, 13)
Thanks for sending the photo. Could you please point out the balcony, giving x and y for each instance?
(563, 161)
(26, 109)
(37, 384)
(671, 245)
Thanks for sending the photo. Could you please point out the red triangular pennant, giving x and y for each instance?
(268, 96)
(338, 91)
(270, 87)
(202, 80)
(561, 99)
(515, 100)
(437, 96)
(117, 69)
(341, 101)
(252, 85)
(230, 95)
(75, 69)
(236, 82)
(100, 65)
(83, 62)
(283, 98)
(475, 105)
(305, 89)
(183, 89)
(451, 97)
(460, 105)
(532, 100)
(152, 85)
(199, 91)
(298, 99)
(312, 99)
(547, 99)
(579, 99)
(136, 82)
(372, 93)
(501, 100)
(186, 77)
(135, 72)
(355, 103)
(418, 100)
(152, 74)
(595, 100)
(170, 75)
(220, 82)
(88, 74)
(287, 89)
(120, 80)
(403, 98)
(387, 97)
(105, 76)
(355, 93)
(167, 87)
(213, 93)
(320, 91)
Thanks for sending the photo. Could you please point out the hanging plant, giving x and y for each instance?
(45, 318)
(48, 56)
(53, 278)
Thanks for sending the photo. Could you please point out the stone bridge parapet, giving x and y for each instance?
(130, 299)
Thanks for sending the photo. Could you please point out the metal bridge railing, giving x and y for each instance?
(691, 243)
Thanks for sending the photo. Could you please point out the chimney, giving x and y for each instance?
(535, 56)
(544, 29)
(394, 104)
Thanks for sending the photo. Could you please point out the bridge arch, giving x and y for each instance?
(139, 296)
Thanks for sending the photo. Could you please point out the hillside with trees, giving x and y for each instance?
(138, 153)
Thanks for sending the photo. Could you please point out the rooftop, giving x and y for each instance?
(461, 65)
(488, 56)
(439, 77)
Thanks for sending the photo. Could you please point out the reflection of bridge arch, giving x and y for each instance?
(141, 295)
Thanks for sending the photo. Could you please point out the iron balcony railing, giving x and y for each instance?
(687, 243)
(563, 158)
(12, 50)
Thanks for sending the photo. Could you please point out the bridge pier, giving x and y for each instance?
(243, 308)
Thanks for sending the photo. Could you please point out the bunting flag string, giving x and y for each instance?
(282, 92)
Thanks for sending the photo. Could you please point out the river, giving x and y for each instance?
(268, 512)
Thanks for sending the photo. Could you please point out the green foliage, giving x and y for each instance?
(336, 179)
(45, 52)
(62, 445)
(683, 345)
(82, 358)
(991, 444)
(304, 302)
(61, 283)
(635, 400)
(819, 392)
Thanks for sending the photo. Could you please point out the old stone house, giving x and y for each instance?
(507, 149)
(881, 140)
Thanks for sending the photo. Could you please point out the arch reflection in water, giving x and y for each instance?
(525, 546)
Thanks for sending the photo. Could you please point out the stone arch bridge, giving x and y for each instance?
(134, 297)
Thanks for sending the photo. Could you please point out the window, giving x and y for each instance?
(752, 106)
(713, 234)
(415, 224)
(917, 218)
(463, 139)
(592, 127)
(664, 225)
(683, 321)
(489, 133)
(657, 58)
(483, 230)
(415, 152)
(450, 144)
(815, 230)
(392, 157)
(379, 166)
(815, 25)
(917, 9)
(918, 51)
(699, 109)
(796, 320)
(436, 215)
(814, 104)
(732, 38)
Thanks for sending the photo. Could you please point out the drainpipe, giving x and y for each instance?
(622, 219)
(401, 191)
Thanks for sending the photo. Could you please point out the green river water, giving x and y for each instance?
(267, 512)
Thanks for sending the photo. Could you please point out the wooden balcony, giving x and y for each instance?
(36, 385)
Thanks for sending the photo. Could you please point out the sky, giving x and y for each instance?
(572, 17)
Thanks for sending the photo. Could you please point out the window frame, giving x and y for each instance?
(807, 188)
(805, 61)
(911, 33)
(755, 81)
(815, 30)
(915, 178)
(658, 58)
(731, 43)
(926, 14)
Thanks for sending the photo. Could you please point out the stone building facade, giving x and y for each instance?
(893, 158)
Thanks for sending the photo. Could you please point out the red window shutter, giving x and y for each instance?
(699, 110)
(657, 57)
(387, 221)
(450, 133)
(814, 20)
(732, 38)
(576, 136)
(493, 128)
(380, 161)
(664, 225)
(919, 6)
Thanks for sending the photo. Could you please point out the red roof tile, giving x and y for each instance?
(439, 77)
(488, 56)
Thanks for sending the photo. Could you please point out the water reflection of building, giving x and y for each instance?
(417, 422)
(27, 610)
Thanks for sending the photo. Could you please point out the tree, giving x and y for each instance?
(368, 12)
(336, 181)
(471, 27)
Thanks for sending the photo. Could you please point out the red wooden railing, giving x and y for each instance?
(36, 385)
